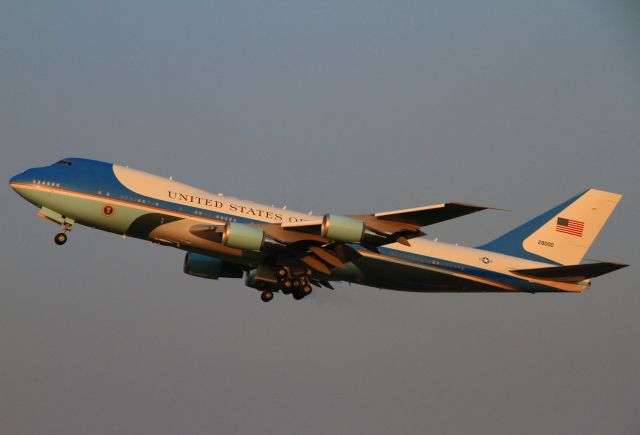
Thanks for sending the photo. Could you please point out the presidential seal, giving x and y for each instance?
(108, 210)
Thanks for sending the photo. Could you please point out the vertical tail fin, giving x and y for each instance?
(563, 234)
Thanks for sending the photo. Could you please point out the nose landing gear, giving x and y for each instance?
(61, 238)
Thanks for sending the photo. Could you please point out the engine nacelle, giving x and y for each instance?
(342, 228)
(241, 236)
(204, 266)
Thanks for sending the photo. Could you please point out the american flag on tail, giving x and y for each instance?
(570, 226)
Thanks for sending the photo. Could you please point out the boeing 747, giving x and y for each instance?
(279, 250)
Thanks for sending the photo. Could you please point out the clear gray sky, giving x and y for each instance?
(335, 107)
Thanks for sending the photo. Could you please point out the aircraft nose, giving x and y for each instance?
(22, 177)
(15, 179)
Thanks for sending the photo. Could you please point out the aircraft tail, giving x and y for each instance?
(563, 234)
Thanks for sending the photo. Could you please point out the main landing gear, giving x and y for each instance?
(61, 238)
(296, 285)
(266, 296)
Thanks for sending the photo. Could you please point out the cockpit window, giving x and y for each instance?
(64, 162)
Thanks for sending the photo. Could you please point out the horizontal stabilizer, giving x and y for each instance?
(573, 273)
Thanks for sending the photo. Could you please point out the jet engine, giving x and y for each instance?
(204, 266)
(342, 229)
(241, 236)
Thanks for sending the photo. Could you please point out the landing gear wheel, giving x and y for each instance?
(287, 284)
(281, 272)
(60, 239)
(306, 289)
(297, 296)
(266, 296)
(296, 283)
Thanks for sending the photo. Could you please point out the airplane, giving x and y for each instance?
(282, 251)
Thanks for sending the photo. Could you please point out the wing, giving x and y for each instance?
(390, 226)
(320, 245)
(429, 214)
(410, 220)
